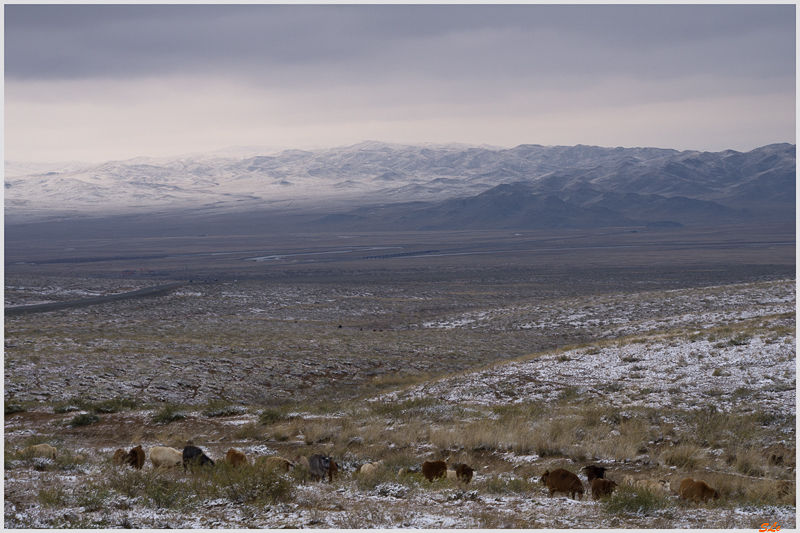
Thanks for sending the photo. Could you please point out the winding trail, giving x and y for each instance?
(157, 290)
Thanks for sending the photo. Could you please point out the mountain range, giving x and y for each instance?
(376, 185)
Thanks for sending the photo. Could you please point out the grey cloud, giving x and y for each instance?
(280, 44)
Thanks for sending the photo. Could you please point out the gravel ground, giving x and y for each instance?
(469, 348)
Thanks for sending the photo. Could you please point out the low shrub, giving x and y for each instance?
(10, 408)
(162, 491)
(220, 408)
(85, 419)
(93, 498)
(168, 413)
(248, 432)
(635, 501)
(509, 485)
(114, 405)
(685, 456)
(66, 408)
(271, 416)
(251, 483)
(52, 495)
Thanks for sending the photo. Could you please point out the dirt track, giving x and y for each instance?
(157, 290)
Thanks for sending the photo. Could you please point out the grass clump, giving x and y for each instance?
(85, 419)
(686, 456)
(256, 483)
(221, 408)
(114, 405)
(631, 500)
(248, 432)
(10, 408)
(508, 485)
(163, 491)
(271, 416)
(52, 495)
(66, 408)
(168, 413)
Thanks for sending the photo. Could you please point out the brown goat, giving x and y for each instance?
(235, 457)
(698, 491)
(602, 487)
(136, 457)
(434, 470)
(120, 457)
(464, 472)
(560, 480)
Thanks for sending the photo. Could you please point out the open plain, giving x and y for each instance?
(657, 353)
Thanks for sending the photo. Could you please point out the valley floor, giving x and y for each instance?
(511, 378)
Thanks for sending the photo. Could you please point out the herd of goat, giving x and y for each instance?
(319, 466)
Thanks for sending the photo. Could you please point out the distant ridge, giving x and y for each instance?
(374, 184)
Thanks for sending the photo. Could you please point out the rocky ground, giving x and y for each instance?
(404, 372)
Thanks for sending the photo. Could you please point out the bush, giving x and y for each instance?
(248, 431)
(635, 501)
(85, 419)
(163, 492)
(271, 416)
(244, 484)
(93, 498)
(509, 485)
(113, 405)
(11, 408)
(220, 408)
(67, 408)
(168, 413)
(52, 495)
(683, 456)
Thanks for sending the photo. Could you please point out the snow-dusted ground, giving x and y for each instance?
(343, 505)
(654, 373)
(697, 347)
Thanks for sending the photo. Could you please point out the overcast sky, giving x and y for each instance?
(100, 82)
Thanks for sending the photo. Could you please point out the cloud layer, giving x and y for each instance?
(97, 82)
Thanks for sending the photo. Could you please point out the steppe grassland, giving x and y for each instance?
(511, 418)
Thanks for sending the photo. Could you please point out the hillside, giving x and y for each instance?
(513, 377)
(596, 187)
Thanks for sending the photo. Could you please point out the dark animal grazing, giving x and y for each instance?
(594, 472)
(136, 458)
(434, 470)
(464, 472)
(602, 487)
(319, 466)
(193, 455)
(697, 491)
(560, 480)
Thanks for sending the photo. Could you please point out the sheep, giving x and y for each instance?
(165, 457)
(370, 468)
(279, 463)
(41, 450)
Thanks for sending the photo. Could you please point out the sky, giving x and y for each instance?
(111, 82)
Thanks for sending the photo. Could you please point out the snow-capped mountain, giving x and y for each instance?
(760, 183)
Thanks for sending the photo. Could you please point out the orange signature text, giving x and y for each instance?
(765, 527)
